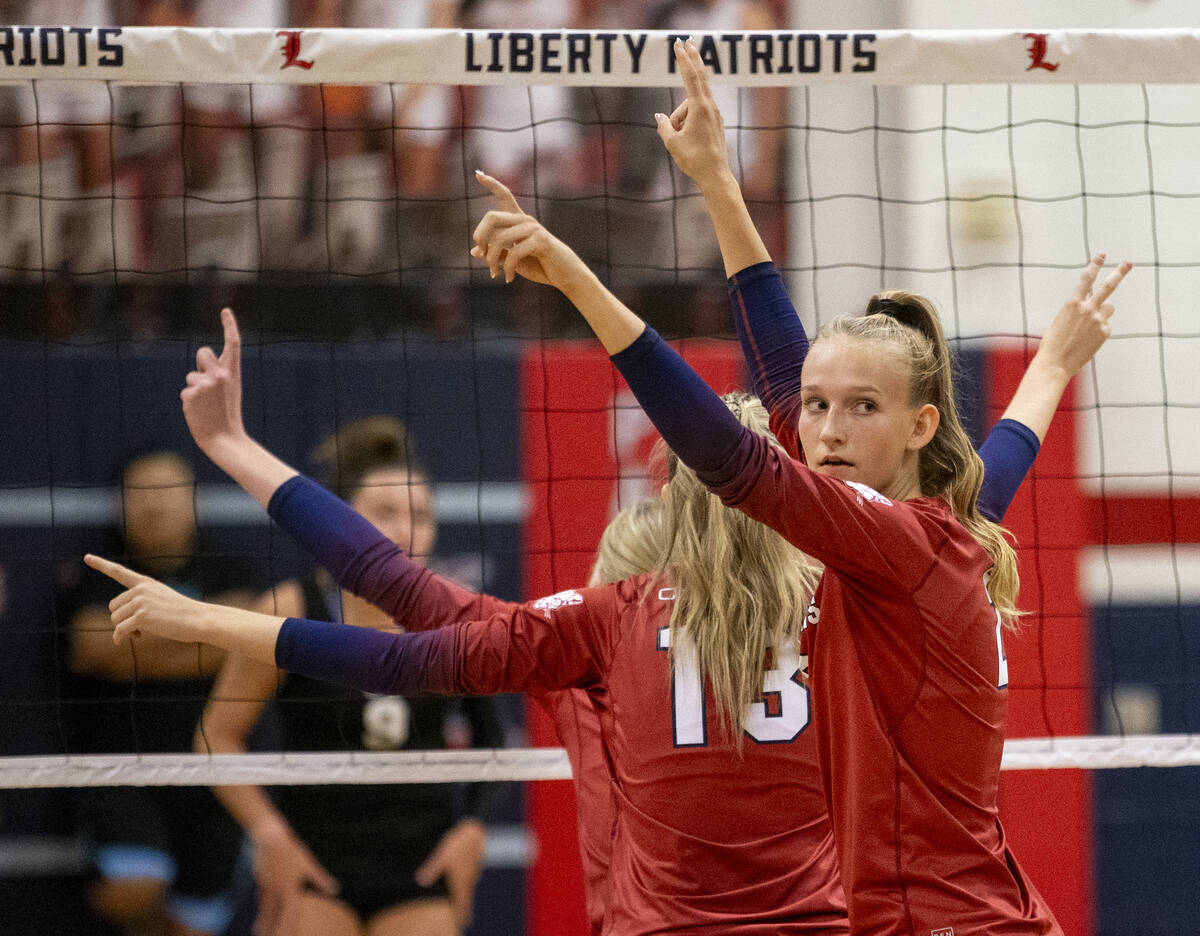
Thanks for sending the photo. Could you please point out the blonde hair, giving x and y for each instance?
(948, 466)
(632, 543)
(741, 589)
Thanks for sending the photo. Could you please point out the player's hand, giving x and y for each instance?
(212, 399)
(1082, 325)
(694, 134)
(147, 606)
(515, 243)
(284, 868)
(458, 856)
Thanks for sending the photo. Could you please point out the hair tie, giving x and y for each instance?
(907, 315)
(878, 306)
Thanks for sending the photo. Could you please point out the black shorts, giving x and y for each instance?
(372, 846)
(181, 835)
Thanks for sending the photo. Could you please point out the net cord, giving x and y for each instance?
(511, 764)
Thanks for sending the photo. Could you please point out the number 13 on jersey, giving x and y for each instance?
(778, 717)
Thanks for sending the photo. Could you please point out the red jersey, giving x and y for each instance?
(577, 724)
(704, 840)
(908, 677)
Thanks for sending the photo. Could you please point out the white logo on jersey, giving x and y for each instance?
(560, 600)
(944, 931)
(869, 493)
(666, 594)
(810, 620)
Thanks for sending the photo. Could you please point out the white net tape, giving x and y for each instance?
(289, 769)
(495, 765)
(643, 58)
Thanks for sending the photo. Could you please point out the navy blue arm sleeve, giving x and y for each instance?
(1008, 453)
(363, 658)
(361, 559)
(773, 339)
(324, 525)
(692, 419)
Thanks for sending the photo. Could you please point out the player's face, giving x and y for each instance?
(400, 505)
(160, 518)
(856, 423)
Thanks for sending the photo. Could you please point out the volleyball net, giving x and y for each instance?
(321, 182)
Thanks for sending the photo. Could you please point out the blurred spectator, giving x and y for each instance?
(241, 162)
(655, 241)
(514, 129)
(59, 175)
(753, 150)
(656, 233)
(388, 167)
(147, 138)
(342, 177)
(164, 857)
(420, 118)
(371, 184)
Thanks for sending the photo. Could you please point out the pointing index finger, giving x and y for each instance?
(114, 570)
(504, 196)
(231, 354)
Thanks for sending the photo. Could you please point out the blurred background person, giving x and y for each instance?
(345, 860)
(58, 176)
(239, 194)
(164, 857)
(525, 133)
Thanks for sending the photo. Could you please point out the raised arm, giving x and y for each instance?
(1076, 334)
(555, 643)
(772, 337)
(694, 135)
(366, 563)
(774, 344)
(515, 243)
(212, 406)
(690, 416)
(361, 559)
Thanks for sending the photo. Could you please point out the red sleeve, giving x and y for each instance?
(557, 642)
(435, 601)
(848, 527)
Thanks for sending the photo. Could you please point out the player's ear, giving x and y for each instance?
(927, 420)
